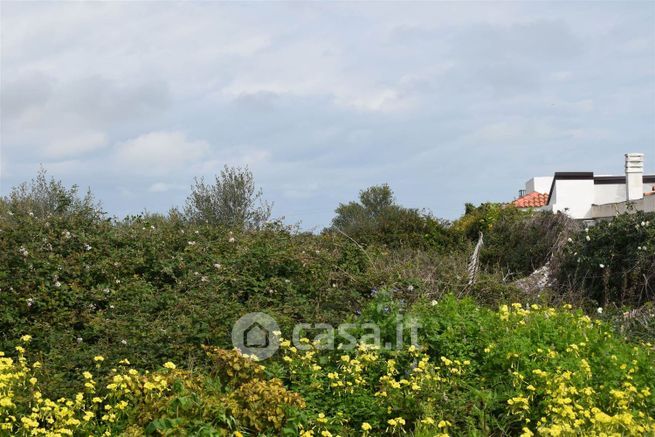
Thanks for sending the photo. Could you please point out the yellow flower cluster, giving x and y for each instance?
(570, 409)
(560, 382)
(570, 397)
(353, 372)
(25, 411)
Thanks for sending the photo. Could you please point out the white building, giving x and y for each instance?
(586, 196)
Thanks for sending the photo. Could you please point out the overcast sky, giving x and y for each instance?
(447, 102)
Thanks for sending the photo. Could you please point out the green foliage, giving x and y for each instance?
(610, 263)
(522, 242)
(167, 402)
(475, 371)
(232, 201)
(481, 218)
(154, 288)
(515, 241)
(150, 288)
(378, 219)
(44, 198)
(614, 261)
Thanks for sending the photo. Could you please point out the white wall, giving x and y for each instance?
(609, 193)
(612, 193)
(574, 197)
(540, 184)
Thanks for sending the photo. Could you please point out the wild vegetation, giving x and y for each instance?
(122, 326)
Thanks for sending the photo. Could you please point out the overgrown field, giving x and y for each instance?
(476, 372)
(122, 327)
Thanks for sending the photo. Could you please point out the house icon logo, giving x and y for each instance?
(253, 334)
(256, 336)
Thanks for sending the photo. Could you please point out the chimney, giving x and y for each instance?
(634, 176)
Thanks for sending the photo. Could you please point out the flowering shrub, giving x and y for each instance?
(98, 410)
(571, 374)
(614, 261)
(519, 370)
(483, 218)
(169, 401)
(535, 370)
(152, 289)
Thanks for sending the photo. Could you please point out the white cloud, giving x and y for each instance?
(162, 152)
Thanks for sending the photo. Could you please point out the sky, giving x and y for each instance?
(447, 102)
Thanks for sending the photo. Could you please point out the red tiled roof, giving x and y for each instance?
(532, 200)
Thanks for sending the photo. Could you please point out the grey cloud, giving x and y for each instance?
(259, 101)
(104, 101)
(448, 102)
(534, 40)
(23, 93)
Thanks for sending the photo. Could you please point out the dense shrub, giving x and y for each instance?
(515, 241)
(521, 243)
(377, 219)
(614, 261)
(169, 401)
(482, 218)
(474, 371)
(150, 288)
(124, 296)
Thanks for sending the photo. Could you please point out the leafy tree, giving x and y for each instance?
(358, 217)
(377, 218)
(232, 201)
(43, 197)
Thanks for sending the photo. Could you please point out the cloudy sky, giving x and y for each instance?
(447, 102)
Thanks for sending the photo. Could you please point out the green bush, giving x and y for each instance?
(520, 243)
(475, 371)
(516, 242)
(84, 290)
(482, 218)
(614, 261)
(378, 219)
(43, 197)
(232, 201)
(152, 288)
